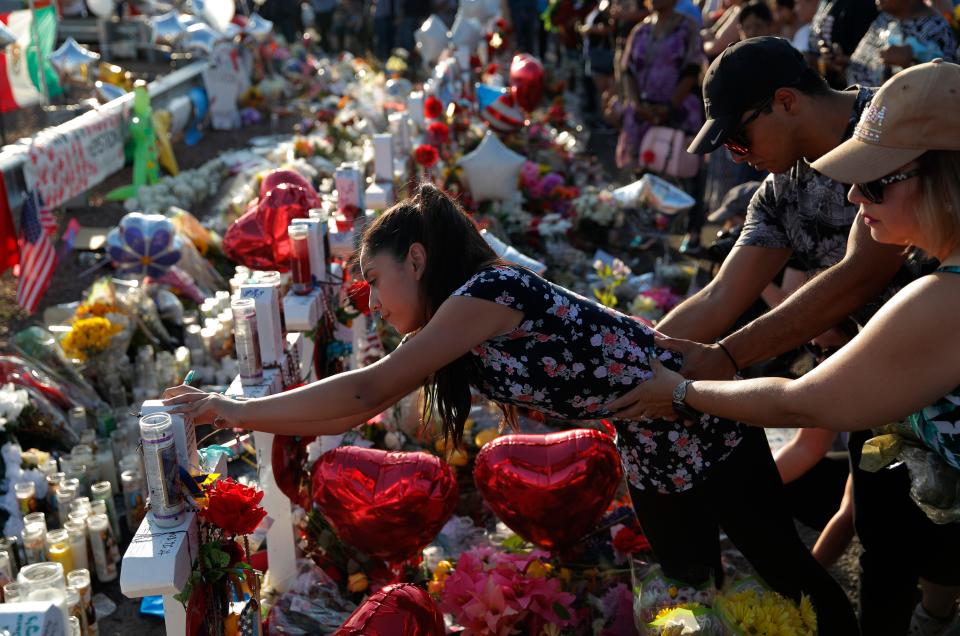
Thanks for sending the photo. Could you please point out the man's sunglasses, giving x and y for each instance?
(873, 190)
(737, 141)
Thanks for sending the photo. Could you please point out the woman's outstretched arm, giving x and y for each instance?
(905, 359)
(336, 404)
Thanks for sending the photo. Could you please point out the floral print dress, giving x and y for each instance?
(570, 356)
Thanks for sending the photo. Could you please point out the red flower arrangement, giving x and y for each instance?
(426, 155)
(438, 132)
(233, 507)
(432, 108)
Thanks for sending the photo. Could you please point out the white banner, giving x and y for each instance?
(68, 160)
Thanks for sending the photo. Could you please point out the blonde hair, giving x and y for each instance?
(939, 211)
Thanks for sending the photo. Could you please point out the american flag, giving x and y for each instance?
(37, 256)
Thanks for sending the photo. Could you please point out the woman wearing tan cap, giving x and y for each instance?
(904, 159)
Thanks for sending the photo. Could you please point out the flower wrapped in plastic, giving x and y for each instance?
(748, 608)
(491, 592)
(39, 346)
(654, 592)
(26, 413)
(687, 619)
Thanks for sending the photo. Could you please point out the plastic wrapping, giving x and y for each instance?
(312, 605)
(653, 592)
(653, 191)
(934, 484)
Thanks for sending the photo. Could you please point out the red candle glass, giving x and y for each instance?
(300, 259)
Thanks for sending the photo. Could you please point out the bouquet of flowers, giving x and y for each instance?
(750, 609)
(493, 593)
(596, 205)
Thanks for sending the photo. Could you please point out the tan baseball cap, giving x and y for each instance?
(915, 111)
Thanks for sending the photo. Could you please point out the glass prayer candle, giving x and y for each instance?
(26, 492)
(33, 543)
(12, 592)
(107, 465)
(78, 419)
(77, 535)
(36, 517)
(79, 580)
(247, 341)
(103, 492)
(105, 550)
(160, 464)
(132, 498)
(65, 495)
(6, 568)
(59, 549)
(300, 258)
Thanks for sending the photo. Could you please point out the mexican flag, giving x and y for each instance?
(19, 77)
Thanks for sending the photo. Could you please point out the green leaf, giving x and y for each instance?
(561, 611)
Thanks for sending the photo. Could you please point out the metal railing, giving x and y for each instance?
(161, 90)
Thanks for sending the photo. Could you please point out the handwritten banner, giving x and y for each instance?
(67, 161)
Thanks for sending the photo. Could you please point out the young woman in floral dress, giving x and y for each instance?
(474, 322)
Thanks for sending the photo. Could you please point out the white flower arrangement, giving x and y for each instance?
(597, 205)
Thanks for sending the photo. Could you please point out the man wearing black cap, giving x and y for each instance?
(772, 111)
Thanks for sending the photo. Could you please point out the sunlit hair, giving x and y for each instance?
(939, 211)
(455, 252)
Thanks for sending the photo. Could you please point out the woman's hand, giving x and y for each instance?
(651, 399)
(202, 407)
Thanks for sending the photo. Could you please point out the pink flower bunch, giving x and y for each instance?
(490, 593)
(664, 299)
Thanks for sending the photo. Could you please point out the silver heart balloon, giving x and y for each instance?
(201, 37)
(107, 92)
(6, 36)
(167, 28)
(258, 27)
(71, 57)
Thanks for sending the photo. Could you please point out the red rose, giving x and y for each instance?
(648, 157)
(492, 69)
(502, 24)
(627, 541)
(432, 107)
(475, 61)
(438, 132)
(426, 155)
(359, 295)
(233, 507)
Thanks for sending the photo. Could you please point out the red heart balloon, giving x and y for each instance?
(526, 80)
(259, 239)
(402, 609)
(275, 177)
(388, 505)
(549, 489)
(287, 457)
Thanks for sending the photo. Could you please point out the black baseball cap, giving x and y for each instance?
(743, 76)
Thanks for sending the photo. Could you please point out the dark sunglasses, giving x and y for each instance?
(737, 141)
(873, 190)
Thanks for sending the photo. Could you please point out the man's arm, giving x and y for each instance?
(709, 313)
(866, 269)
